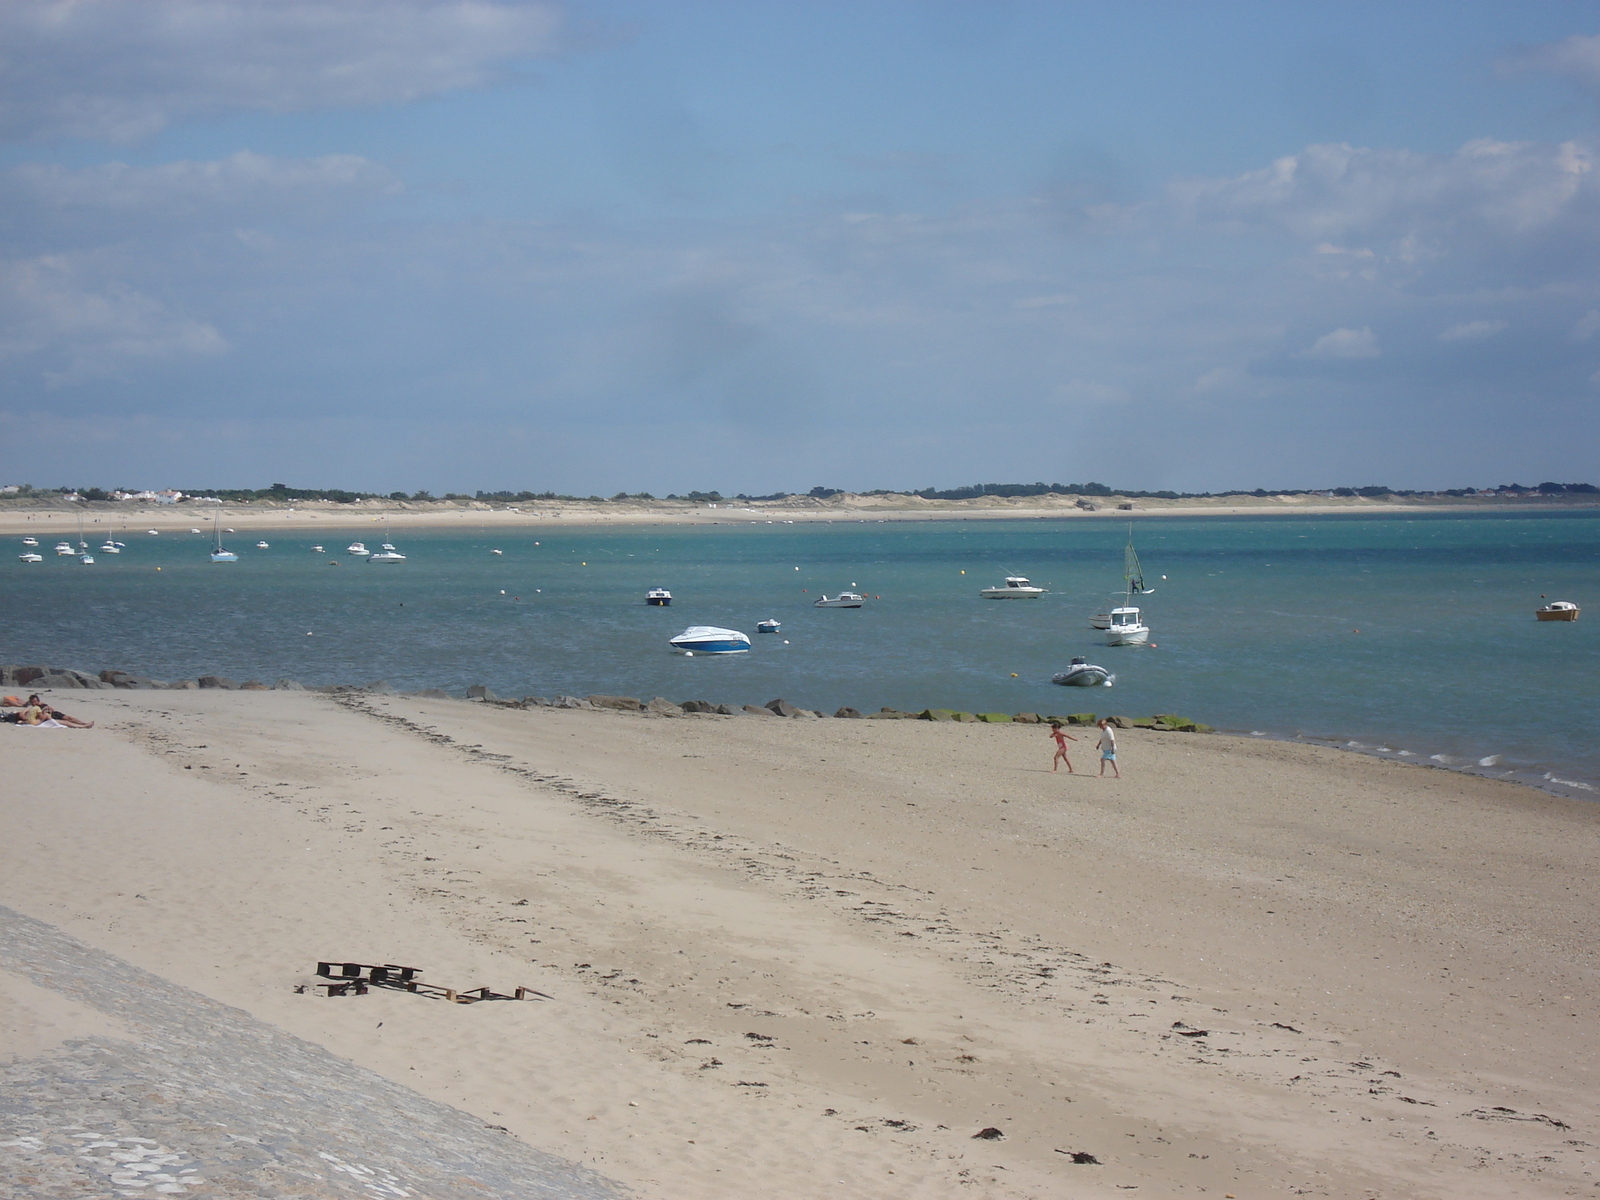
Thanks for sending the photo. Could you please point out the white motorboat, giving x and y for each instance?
(390, 555)
(191, 530)
(767, 626)
(65, 549)
(261, 545)
(357, 548)
(30, 541)
(1016, 587)
(842, 600)
(1123, 624)
(318, 550)
(1558, 610)
(86, 559)
(658, 597)
(1080, 673)
(708, 639)
(110, 547)
(30, 556)
(218, 552)
(497, 552)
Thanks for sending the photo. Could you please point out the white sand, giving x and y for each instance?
(929, 926)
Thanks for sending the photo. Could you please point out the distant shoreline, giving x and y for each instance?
(35, 516)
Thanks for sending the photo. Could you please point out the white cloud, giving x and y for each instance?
(120, 70)
(1345, 343)
(87, 330)
(1577, 57)
(1472, 331)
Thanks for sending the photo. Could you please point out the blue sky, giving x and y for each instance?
(462, 244)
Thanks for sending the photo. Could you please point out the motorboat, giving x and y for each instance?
(218, 552)
(1080, 673)
(842, 600)
(318, 550)
(1558, 610)
(357, 548)
(261, 545)
(30, 541)
(1016, 587)
(658, 597)
(1123, 624)
(501, 552)
(767, 626)
(110, 547)
(1126, 628)
(391, 555)
(191, 530)
(86, 559)
(65, 549)
(30, 556)
(708, 639)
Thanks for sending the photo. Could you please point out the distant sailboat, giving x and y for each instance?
(218, 553)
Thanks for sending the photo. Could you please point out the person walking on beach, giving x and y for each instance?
(1061, 748)
(1108, 747)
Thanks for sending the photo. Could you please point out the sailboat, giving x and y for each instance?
(218, 553)
(386, 552)
(1123, 624)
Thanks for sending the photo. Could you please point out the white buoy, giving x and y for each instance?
(688, 653)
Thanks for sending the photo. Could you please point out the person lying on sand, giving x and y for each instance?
(55, 714)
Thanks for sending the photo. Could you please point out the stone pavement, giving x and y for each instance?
(207, 1101)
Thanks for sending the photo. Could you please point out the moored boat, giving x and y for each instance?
(31, 557)
(65, 549)
(357, 548)
(767, 626)
(1124, 625)
(842, 600)
(390, 555)
(658, 597)
(1126, 628)
(1080, 673)
(218, 552)
(30, 541)
(1016, 587)
(1558, 610)
(708, 639)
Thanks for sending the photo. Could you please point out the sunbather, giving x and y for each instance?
(53, 714)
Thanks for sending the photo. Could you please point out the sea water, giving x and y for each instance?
(1411, 636)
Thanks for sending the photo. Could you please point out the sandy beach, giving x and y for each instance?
(816, 958)
(59, 518)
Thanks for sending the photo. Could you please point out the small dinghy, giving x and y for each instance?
(708, 639)
(1083, 674)
(767, 626)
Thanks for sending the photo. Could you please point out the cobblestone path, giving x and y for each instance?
(206, 1101)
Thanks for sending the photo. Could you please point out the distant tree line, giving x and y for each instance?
(282, 492)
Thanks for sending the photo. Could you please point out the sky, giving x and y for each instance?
(746, 246)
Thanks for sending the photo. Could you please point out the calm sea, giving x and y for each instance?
(1411, 636)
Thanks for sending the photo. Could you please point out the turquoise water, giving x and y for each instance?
(1255, 627)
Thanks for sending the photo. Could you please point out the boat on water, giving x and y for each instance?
(30, 556)
(767, 626)
(86, 559)
(30, 541)
(220, 553)
(497, 552)
(1080, 673)
(261, 545)
(1558, 610)
(658, 597)
(65, 548)
(110, 548)
(1124, 625)
(708, 639)
(357, 548)
(842, 600)
(318, 550)
(1016, 587)
(391, 555)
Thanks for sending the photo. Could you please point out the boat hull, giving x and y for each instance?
(1128, 635)
(1557, 614)
(1011, 593)
(1089, 676)
(659, 601)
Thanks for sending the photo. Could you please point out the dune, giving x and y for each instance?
(847, 958)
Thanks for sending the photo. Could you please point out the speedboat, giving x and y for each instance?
(30, 541)
(708, 639)
(391, 555)
(30, 556)
(1126, 629)
(842, 600)
(86, 559)
(1558, 610)
(1016, 587)
(318, 550)
(65, 549)
(497, 552)
(1083, 674)
(358, 548)
(110, 547)
(767, 626)
(261, 545)
(658, 597)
